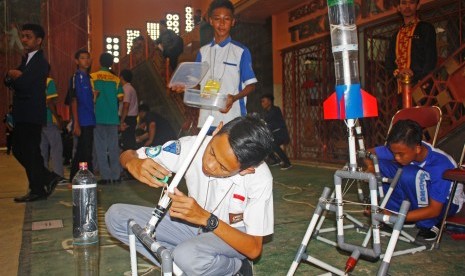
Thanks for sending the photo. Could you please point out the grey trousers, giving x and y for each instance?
(194, 254)
(107, 151)
(51, 147)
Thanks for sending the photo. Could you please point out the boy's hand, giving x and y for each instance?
(14, 74)
(96, 93)
(59, 122)
(123, 126)
(178, 88)
(229, 102)
(77, 130)
(186, 208)
(147, 171)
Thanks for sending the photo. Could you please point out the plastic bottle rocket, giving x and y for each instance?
(349, 101)
(85, 226)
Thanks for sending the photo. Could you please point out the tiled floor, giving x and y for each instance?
(296, 192)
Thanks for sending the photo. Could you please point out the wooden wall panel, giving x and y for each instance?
(18, 12)
(67, 32)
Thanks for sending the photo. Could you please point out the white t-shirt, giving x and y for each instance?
(251, 194)
(130, 96)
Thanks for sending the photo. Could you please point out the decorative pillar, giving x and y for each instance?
(96, 30)
(404, 81)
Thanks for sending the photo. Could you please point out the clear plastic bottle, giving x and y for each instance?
(344, 41)
(85, 225)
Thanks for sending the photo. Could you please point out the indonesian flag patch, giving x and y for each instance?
(238, 196)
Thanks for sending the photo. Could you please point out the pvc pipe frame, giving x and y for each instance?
(163, 254)
(376, 251)
(376, 218)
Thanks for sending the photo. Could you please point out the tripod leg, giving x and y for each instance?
(383, 268)
(308, 234)
(132, 247)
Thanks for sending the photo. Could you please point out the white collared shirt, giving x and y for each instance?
(250, 194)
(231, 64)
(30, 55)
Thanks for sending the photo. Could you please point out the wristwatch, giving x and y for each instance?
(212, 223)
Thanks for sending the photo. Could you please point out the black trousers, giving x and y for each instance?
(84, 148)
(281, 137)
(128, 137)
(282, 155)
(26, 149)
(173, 59)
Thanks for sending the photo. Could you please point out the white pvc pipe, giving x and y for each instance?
(180, 173)
(177, 270)
(406, 237)
(339, 213)
(327, 241)
(133, 254)
(332, 229)
(407, 251)
(353, 219)
(361, 144)
(391, 246)
(307, 236)
(325, 266)
(352, 147)
(367, 237)
(165, 200)
(293, 268)
(310, 229)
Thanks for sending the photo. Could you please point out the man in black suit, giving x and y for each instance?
(28, 82)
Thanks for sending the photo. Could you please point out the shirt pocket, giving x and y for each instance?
(238, 200)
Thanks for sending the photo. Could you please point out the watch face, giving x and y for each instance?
(212, 223)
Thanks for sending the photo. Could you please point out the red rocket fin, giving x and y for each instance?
(370, 105)
(330, 107)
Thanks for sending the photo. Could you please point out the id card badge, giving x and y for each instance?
(212, 87)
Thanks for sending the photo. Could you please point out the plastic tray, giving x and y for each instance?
(193, 97)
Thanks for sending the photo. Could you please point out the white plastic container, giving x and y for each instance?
(193, 97)
(189, 75)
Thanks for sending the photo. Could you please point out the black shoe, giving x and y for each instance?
(427, 235)
(272, 160)
(246, 268)
(63, 181)
(104, 181)
(116, 181)
(273, 163)
(286, 167)
(50, 187)
(30, 197)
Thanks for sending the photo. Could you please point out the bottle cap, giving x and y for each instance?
(83, 165)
